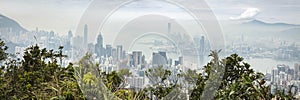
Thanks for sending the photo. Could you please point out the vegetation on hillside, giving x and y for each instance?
(39, 75)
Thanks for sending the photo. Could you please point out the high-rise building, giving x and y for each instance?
(281, 74)
(170, 62)
(164, 54)
(124, 54)
(135, 82)
(273, 75)
(108, 50)
(143, 59)
(51, 41)
(202, 50)
(69, 38)
(114, 53)
(169, 28)
(137, 58)
(159, 58)
(70, 35)
(130, 60)
(99, 46)
(176, 62)
(119, 52)
(85, 37)
(180, 60)
(296, 71)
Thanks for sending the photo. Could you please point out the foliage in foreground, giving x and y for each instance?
(39, 75)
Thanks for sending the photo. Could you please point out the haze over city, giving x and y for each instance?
(62, 16)
(141, 35)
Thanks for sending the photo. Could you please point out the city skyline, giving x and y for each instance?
(243, 42)
(70, 11)
(241, 35)
(149, 49)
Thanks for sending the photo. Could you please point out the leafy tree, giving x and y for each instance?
(97, 84)
(38, 76)
(237, 80)
(124, 72)
(3, 48)
(158, 77)
(240, 81)
(198, 90)
(91, 80)
(164, 85)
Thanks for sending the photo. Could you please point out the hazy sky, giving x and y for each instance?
(64, 15)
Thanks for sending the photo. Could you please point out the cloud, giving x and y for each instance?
(249, 14)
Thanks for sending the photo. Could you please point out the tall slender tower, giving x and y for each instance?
(85, 31)
(70, 35)
(99, 46)
(119, 52)
(169, 27)
(202, 50)
(296, 71)
(69, 39)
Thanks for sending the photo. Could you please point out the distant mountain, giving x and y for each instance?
(256, 29)
(259, 27)
(6, 23)
(261, 23)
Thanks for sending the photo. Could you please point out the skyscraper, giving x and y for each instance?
(169, 28)
(119, 52)
(69, 38)
(143, 59)
(124, 54)
(130, 60)
(159, 58)
(114, 53)
(176, 62)
(108, 50)
(202, 50)
(137, 58)
(70, 35)
(170, 62)
(180, 60)
(163, 54)
(99, 46)
(85, 37)
(296, 73)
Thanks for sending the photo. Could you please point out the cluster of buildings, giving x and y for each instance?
(19, 41)
(271, 48)
(136, 63)
(283, 77)
(110, 58)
